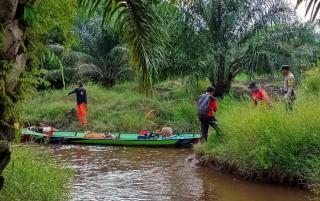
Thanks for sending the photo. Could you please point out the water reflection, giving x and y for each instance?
(120, 173)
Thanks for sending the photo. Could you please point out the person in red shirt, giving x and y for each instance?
(259, 95)
(207, 106)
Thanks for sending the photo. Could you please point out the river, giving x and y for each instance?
(131, 173)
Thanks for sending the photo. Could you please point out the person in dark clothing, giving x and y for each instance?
(81, 107)
(207, 106)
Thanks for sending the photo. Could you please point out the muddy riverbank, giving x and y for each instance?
(275, 178)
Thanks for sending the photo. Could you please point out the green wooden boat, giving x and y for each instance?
(122, 139)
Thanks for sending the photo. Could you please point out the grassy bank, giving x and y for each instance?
(31, 175)
(272, 145)
(119, 109)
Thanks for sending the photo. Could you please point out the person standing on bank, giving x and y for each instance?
(81, 107)
(289, 84)
(207, 106)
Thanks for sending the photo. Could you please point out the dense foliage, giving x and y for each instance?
(101, 54)
(140, 27)
(255, 37)
(25, 26)
(201, 39)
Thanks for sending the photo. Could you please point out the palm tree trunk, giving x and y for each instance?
(62, 75)
(12, 65)
(222, 86)
(12, 62)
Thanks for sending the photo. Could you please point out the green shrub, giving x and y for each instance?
(312, 82)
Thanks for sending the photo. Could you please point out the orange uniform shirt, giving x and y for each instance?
(260, 95)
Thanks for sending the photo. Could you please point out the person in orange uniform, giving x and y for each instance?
(81, 107)
(259, 95)
(207, 105)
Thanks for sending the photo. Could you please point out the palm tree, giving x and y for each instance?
(313, 7)
(107, 69)
(52, 62)
(140, 27)
(229, 26)
(100, 55)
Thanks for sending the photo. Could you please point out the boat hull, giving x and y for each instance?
(110, 142)
(123, 139)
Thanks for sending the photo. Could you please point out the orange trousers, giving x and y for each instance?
(82, 113)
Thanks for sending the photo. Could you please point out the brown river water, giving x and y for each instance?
(158, 174)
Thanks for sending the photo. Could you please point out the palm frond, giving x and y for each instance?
(139, 24)
(85, 69)
(268, 49)
(76, 57)
(270, 13)
(312, 7)
(119, 56)
(57, 49)
(53, 59)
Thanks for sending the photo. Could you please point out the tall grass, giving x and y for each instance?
(272, 143)
(31, 175)
(119, 109)
(311, 83)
